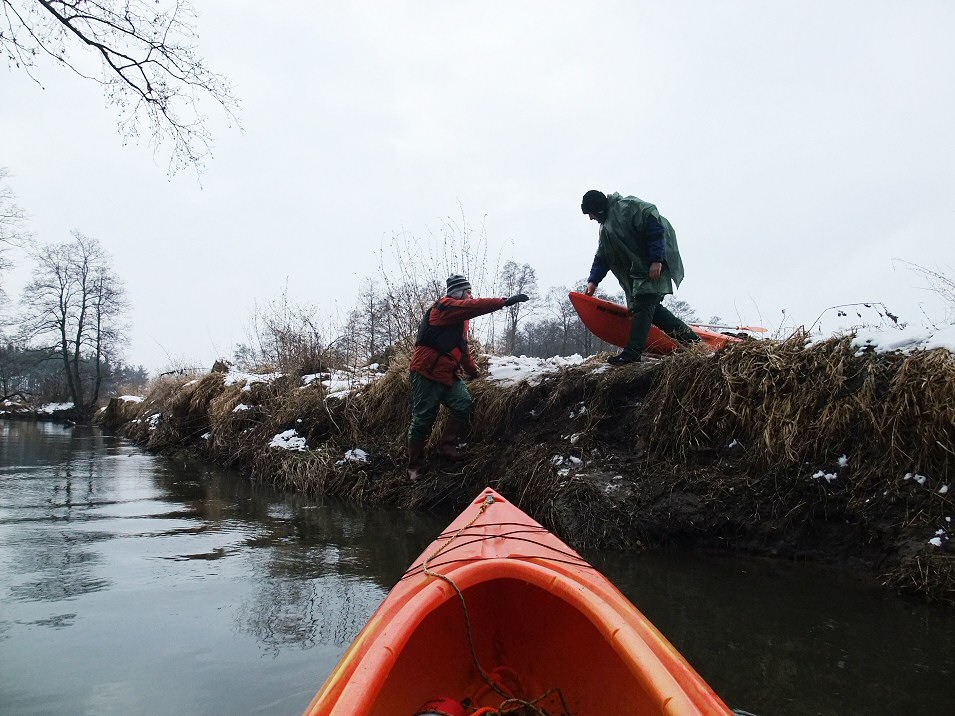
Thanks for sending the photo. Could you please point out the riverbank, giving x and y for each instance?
(829, 451)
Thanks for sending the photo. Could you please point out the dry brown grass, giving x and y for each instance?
(381, 409)
(787, 402)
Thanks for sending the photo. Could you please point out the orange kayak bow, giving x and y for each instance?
(498, 613)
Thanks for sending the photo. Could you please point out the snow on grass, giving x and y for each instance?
(566, 464)
(511, 370)
(904, 340)
(289, 440)
(355, 455)
(238, 376)
(51, 408)
(339, 383)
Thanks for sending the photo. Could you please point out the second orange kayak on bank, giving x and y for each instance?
(610, 322)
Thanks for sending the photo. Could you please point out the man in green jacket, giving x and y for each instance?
(639, 246)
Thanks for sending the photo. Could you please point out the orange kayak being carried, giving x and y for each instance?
(500, 616)
(610, 322)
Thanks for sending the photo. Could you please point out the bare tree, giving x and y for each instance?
(563, 314)
(413, 273)
(285, 335)
(12, 218)
(681, 309)
(372, 328)
(516, 278)
(150, 71)
(74, 308)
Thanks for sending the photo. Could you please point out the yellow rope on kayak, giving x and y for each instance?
(509, 702)
(488, 501)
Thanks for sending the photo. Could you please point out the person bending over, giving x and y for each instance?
(639, 246)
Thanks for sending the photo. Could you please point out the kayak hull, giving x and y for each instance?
(610, 322)
(543, 623)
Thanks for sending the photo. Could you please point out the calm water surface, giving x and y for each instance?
(136, 584)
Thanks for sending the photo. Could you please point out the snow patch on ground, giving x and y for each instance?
(237, 376)
(905, 340)
(51, 408)
(289, 440)
(355, 455)
(339, 383)
(511, 370)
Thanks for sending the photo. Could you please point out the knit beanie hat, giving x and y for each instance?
(595, 202)
(457, 282)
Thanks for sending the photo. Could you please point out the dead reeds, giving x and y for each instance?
(791, 402)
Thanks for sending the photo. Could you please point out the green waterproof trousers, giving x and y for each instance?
(427, 396)
(648, 309)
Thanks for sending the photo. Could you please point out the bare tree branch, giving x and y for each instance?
(12, 218)
(939, 283)
(151, 71)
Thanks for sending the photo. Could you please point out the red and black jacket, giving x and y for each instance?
(441, 348)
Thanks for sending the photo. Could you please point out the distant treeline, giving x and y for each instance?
(36, 376)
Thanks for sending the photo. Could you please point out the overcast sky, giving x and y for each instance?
(799, 149)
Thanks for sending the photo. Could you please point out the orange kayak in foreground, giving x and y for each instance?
(498, 613)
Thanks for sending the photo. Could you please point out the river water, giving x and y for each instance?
(138, 584)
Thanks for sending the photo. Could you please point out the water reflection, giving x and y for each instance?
(776, 637)
(121, 573)
(300, 614)
(59, 488)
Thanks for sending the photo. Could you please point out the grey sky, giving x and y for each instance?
(797, 148)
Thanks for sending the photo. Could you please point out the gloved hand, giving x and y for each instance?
(516, 298)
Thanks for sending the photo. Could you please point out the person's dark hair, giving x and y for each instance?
(595, 202)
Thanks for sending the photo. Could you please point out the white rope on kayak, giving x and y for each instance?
(509, 700)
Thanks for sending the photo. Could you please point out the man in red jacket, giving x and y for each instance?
(440, 358)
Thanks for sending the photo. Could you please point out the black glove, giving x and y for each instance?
(516, 298)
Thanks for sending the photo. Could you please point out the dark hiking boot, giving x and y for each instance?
(623, 358)
(453, 451)
(415, 459)
(451, 441)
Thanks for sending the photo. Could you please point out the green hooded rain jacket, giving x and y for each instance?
(624, 249)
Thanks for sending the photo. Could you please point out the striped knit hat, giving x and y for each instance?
(457, 282)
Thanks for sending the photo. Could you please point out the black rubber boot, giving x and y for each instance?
(623, 357)
(639, 330)
(415, 458)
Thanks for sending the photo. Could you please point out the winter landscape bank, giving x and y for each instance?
(838, 450)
